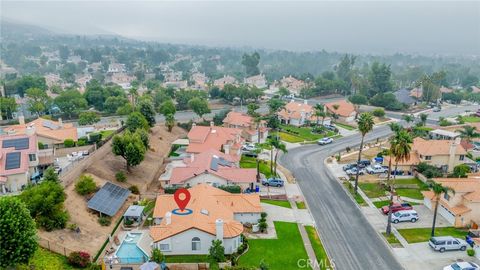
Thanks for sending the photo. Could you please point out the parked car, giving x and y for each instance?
(353, 171)
(405, 215)
(436, 109)
(250, 154)
(397, 172)
(274, 182)
(249, 147)
(376, 169)
(349, 166)
(444, 243)
(397, 207)
(472, 236)
(325, 140)
(462, 266)
(364, 163)
(330, 127)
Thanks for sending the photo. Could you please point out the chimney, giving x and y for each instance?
(168, 218)
(226, 149)
(192, 157)
(21, 120)
(212, 124)
(219, 229)
(451, 153)
(30, 131)
(60, 122)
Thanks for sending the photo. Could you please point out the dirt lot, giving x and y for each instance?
(93, 235)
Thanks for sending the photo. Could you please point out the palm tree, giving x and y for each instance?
(438, 190)
(278, 146)
(335, 108)
(395, 127)
(365, 125)
(400, 147)
(320, 112)
(468, 133)
(408, 118)
(169, 122)
(423, 118)
(133, 94)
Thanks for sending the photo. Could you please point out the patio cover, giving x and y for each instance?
(134, 211)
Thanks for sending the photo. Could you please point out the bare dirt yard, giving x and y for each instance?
(92, 235)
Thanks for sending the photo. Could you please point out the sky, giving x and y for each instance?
(374, 27)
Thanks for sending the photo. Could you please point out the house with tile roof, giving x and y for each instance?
(293, 84)
(345, 111)
(48, 132)
(297, 114)
(210, 167)
(18, 161)
(443, 154)
(461, 208)
(215, 215)
(251, 131)
(204, 138)
(226, 79)
(258, 81)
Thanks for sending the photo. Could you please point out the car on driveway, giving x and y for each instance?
(273, 182)
(462, 266)
(249, 147)
(349, 166)
(376, 169)
(330, 127)
(353, 171)
(444, 243)
(397, 207)
(405, 215)
(364, 163)
(325, 141)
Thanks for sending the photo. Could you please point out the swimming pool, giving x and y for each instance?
(129, 252)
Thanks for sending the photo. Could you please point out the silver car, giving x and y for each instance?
(444, 243)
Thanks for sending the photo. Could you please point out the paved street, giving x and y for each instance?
(346, 234)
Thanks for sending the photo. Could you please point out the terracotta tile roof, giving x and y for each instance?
(24, 160)
(202, 163)
(294, 110)
(469, 187)
(203, 138)
(345, 108)
(457, 210)
(475, 89)
(238, 119)
(44, 128)
(215, 203)
(435, 147)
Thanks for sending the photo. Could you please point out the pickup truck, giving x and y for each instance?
(397, 207)
(376, 169)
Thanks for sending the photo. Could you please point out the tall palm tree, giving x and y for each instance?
(278, 146)
(400, 147)
(395, 127)
(365, 125)
(320, 112)
(438, 190)
(468, 133)
(335, 108)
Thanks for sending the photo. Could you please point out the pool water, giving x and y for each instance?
(129, 252)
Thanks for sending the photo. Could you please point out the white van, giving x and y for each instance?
(405, 215)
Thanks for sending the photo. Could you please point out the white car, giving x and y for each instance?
(353, 171)
(249, 147)
(462, 266)
(405, 215)
(325, 140)
(376, 169)
(444, 243)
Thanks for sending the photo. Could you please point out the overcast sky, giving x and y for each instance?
(378, 27)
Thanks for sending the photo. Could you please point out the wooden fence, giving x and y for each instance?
(54, 246)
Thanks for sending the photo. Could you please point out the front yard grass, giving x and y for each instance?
(301, 205)
(471, 119)
(317, 246)
(345, 126)
(380, 204)
(294, 134)
(372, 190)
(44, 259)
(358, 198)
(279, 254)
(392, 240)
(282, 203)
(106, 133)
(251, 162)
(410, 192)
(418, 235)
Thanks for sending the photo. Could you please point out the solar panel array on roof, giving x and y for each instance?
(12, 161)
(49, 124)
(214, 164)
(109, 199)
(19, 144)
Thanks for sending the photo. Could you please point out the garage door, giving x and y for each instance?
(446, 214)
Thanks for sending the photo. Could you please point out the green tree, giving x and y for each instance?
(409, 118)
(358, 99)
(45, 202)
(468, 132)
(400, 147)
(251, 109)
(250, 62)
(94, 94)
(17, 234)
(380, 79)
(283, 92)
(157, 256)
(86, 185)
(430, 91)
(438, 190)
(136, 120)
(461, 170)
(365, 125)
(145, 107)
(88, 118)
(216, 251)
(320, 112)
(71, 101)
(7, 107)
(169, 122)
(199, 106)
(275, 105)
(38, 101)
(113, 103)
(167, 107)
(21, 85)
(126, 109)
(277, 146)
(130, 147)
(423, 118)
(50, 175)
(344, 69)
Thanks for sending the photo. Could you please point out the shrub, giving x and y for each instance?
(262, 226)
(86, 185)
(79, 259)
(72, 226)
(69, 143)
(41, 146)
(134, 189)
(217, 251)
(120, 176)
(231, 189)
(95, 137)
(104, 221)
(461, 170)
(471, 252)
(263, 215)
(157, 256)
(170, 190)
(128, 222)
(81, 142)
(379, 112)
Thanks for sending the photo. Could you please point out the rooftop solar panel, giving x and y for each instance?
(12, 161)
(109, 199)
(50, 125)
(19, 144)
(214, 164)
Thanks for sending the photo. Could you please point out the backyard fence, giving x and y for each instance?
(54, 246)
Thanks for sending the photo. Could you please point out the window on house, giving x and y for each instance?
(462, 157)
(32, 157)
(428, 157)
(421, 156)
(446, 196)
(164, 247)
(195, 243)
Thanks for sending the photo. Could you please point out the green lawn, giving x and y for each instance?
(380, 204)
(392, 239)
(357, 197)
(251, 162)
(106, 133)
(414, 193)
(418, 235)
(44, 259)
(317, 246)
(300, 134)
(410, 193)
(345, 126)
(279, 254)
(301, 205)
(282, 203)
(471, 119)
(372, 190)
(186, 258)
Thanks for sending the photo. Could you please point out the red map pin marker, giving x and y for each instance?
(182, 197)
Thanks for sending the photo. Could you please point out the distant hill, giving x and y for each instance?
(12, 30)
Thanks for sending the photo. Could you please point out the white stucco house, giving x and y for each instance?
(215, 215)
